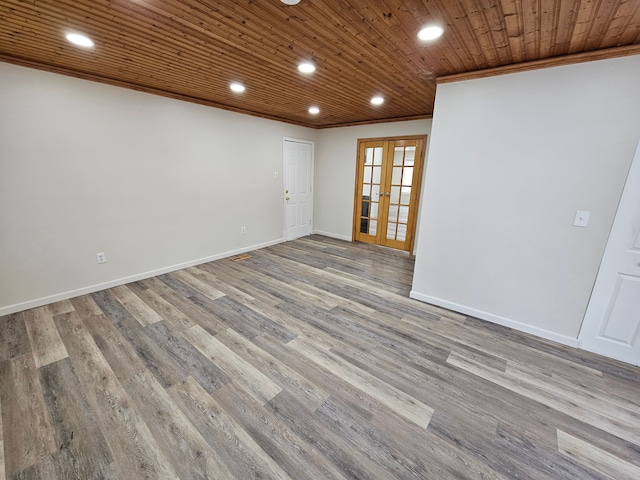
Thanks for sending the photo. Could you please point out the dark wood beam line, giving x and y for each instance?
(544, 63)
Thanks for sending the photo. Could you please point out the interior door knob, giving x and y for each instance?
(286, 198)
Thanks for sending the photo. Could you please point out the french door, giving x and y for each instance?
(388, 178)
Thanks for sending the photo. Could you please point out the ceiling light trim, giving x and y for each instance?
(430, 32)
(306, 67)
(79, 39)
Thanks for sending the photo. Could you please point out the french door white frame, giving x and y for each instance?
(284, 182)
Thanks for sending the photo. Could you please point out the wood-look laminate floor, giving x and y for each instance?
(306, 361)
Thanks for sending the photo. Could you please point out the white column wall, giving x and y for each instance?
(512, 158)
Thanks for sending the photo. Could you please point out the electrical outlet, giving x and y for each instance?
(101, 257)
(243, 230)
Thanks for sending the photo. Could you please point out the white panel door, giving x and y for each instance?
(611, 325)
(298, 161)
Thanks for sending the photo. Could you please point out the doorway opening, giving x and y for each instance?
(388, 179)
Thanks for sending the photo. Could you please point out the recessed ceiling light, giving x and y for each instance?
(237, 87)
(290, 2)
(307, 67)
(377, 100)
(80, 40)
(430, 33)
(314, 110)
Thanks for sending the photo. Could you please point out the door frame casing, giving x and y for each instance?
(284, 182)
(412, 232)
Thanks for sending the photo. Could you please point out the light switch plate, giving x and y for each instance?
(582, 219)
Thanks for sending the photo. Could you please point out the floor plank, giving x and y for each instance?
(591, 456)
(2, 468)
(46, 344)
(285, 377)
(307, 360)
(82, 450)
(352, 462)
(241, 452)
(14, 340)
(545, 392)
(135, 450)
(408, 407)
(140, 310)
(28, 434)
(241, 372)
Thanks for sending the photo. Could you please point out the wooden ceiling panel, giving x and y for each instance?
(193, 49)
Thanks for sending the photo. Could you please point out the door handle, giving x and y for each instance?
(286, 198)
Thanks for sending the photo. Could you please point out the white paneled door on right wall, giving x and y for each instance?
(611, 325)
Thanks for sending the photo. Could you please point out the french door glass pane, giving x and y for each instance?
(396, 175)
(409, 156)
(395, 195)
(393, 213)
(404, 215)
(374, 210)
(367, 175)
(368, 156)
(405, 196)
(364, 220)
(373, 225)
(398, 155)
(391, 230)
(407, 176)
(402, 233)
(377, 171)
(377, 156)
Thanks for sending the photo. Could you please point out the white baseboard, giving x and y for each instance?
(333, 235)
(490, 317)
(38, 302)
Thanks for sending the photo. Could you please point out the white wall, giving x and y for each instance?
(511, 159)
(335, 170)
(153, 182)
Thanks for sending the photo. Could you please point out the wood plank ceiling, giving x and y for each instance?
(193, 49)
